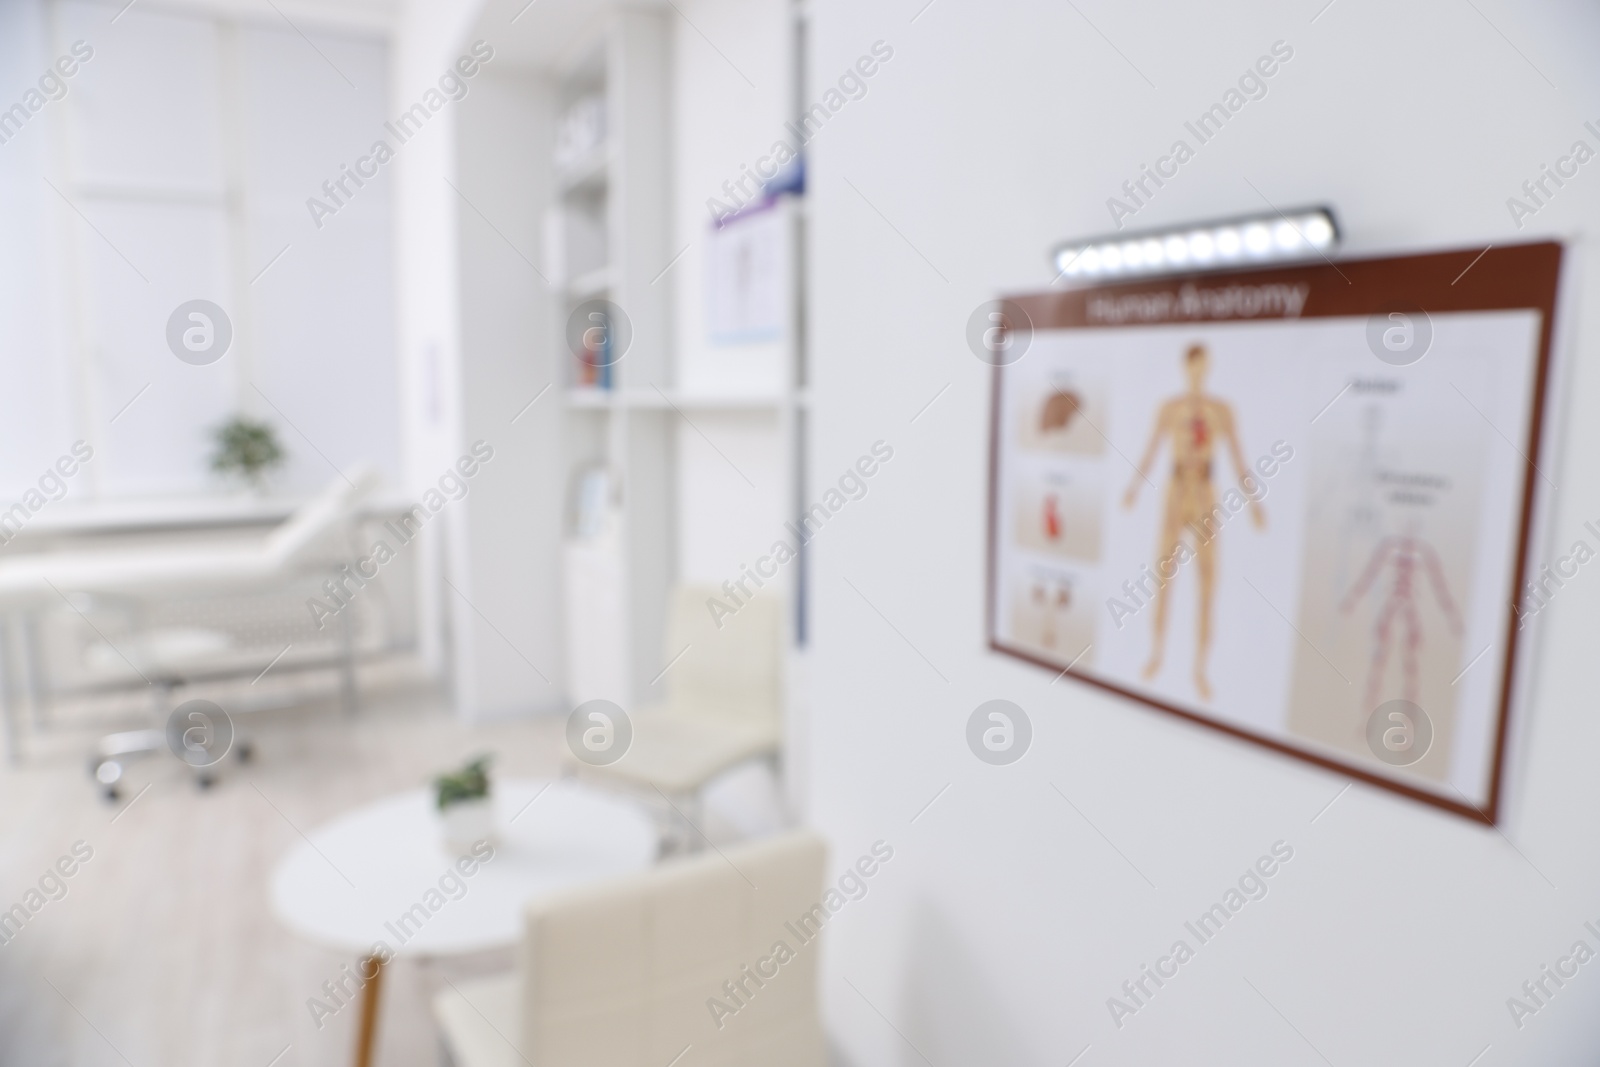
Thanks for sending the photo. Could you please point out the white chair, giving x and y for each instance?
(310, 542)
(622, 974)
(724, 697)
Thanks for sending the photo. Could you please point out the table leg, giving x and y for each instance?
(32, 667)
(349, 686)
(8, 705)
(369, 1009)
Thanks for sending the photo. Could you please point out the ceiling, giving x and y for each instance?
(543, 35)
(546, 35)
(369, 15)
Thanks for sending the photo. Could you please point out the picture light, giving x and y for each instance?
(1276, 237)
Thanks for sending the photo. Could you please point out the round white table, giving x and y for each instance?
(359, 879)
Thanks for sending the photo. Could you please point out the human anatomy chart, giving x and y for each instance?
(1397, 619)
(1193, 425)
(1261, 524)
(1390, 545)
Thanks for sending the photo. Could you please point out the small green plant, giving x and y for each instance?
(247, 449)
(469, 783)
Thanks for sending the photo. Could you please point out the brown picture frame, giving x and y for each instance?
(1514, 277)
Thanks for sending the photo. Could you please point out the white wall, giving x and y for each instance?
(427, 310)
(1006, 919)
(477, 343)
(509, 656)
(731, 507)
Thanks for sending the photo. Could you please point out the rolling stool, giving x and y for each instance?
(201, 739)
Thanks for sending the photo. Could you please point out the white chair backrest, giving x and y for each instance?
(321, 519)
(733, 665)
(620, 974)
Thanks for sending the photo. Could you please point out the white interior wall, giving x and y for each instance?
(731, 505)
(726, 521)
(723, 122)
(427, 38)
(1007, 917)
(509, 649)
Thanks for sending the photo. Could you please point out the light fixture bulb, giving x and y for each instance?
(1264, 238)
(1317, 231)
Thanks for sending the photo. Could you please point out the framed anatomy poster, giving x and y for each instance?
(747, 274)
(1295, 504)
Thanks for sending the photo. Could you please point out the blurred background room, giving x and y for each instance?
(499, 507)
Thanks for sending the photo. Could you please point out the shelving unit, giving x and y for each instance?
(690, 451)
(612, 214)
(701, 435)
(587, 286)
(588, 172)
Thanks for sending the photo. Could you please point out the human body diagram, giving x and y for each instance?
(1401, 556)
(1192, 424)
(1362, 520)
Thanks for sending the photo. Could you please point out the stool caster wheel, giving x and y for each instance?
(245, 752)
(108, 773)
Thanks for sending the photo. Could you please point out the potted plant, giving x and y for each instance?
(465, 807)
(246, 449)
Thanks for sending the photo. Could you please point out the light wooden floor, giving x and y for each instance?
(163, 953)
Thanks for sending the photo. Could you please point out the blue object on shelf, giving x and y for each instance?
(791, 179)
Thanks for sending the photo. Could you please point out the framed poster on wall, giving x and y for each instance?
(1294, 504)
(747, 275)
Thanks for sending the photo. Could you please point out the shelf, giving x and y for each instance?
(652, 400)
(587, 173)
(589, 398)
(590, 283)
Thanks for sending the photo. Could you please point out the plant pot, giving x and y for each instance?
(466, 822)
